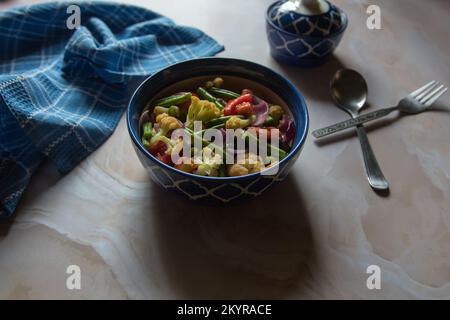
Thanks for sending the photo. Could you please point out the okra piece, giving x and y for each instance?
(147, 130)
(202, 93)
(174, 100)
(224, 94)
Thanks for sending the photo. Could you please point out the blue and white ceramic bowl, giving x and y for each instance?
(304, 40)
(237, 74)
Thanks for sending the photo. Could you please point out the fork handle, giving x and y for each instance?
(352, 122)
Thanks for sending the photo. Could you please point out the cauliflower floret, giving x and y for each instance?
(169, 123)
(161, 116)
(166, 124)
(235, 170)
(251, 164)
(210, 163)
(201, 110)
(237, 123)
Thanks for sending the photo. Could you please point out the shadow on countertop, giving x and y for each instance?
(5, 226)
(262, 248)
(313, 82)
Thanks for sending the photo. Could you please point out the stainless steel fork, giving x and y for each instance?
(416, 102)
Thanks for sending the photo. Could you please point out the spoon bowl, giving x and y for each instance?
(349, 91)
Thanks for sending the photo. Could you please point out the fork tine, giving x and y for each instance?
(427, 91)
(420, 90)
(431, 94)
(435, 97)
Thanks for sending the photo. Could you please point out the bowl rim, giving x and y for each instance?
(135, 137)
(277, 28)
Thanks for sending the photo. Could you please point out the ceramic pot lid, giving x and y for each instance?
(314, 18)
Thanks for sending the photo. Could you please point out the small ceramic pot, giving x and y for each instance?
(304, 32)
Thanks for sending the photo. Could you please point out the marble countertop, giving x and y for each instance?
(312, 236)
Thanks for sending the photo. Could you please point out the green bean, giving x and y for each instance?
(147, 130)
(175, 99)
(205, 94)
(202, 93)
(221, 120)
(224, 94)
(145, 143)
(218, 126)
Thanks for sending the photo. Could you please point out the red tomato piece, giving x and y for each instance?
(245, 109)
(230, 108)
(158, 148)
(165, 158)
(248, 97)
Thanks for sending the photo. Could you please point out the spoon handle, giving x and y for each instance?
(374, 174)
(352, 122)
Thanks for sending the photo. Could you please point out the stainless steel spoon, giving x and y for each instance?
(349, 92)
(418, 101)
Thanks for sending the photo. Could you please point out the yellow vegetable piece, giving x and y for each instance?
(201, 110)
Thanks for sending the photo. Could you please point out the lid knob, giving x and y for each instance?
(310, 7)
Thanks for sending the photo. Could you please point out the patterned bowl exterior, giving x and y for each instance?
(305, 51)
(321, 25)
(216, 189)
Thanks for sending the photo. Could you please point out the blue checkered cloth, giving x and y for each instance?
(63, 91)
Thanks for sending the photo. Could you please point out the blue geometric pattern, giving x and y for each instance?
(216, 190)
(314, 39)
(62, 92)
(306, 25)
(299, 47)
